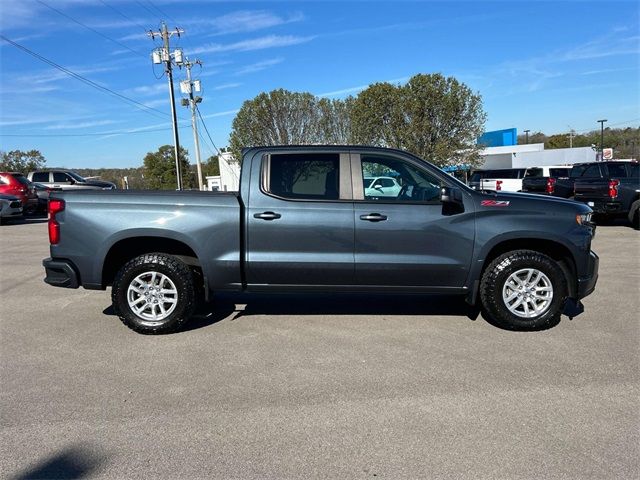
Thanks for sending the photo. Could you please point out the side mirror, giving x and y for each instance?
(451, 195)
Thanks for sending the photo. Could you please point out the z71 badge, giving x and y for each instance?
(494, 203)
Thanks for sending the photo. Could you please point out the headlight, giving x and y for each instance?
(583, 218)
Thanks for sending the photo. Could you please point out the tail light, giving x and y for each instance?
(498, 184)
(551, 185)
(613, 188)
(55, 206)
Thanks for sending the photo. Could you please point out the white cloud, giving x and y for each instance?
(148, 90)
(343, 91)
(270, 41)
(256, 67)
(70, 126)
(221, 114)
(226, 86)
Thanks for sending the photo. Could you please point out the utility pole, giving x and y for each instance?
(187, 87)
(163, 55)
(526, 136)
(601, 122)
(572, 133)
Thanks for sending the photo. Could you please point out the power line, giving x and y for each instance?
(207, 130)
(126, 17)
(163, 13)
(92, 134)
(85, 80)
(90, 28)
(147, 8)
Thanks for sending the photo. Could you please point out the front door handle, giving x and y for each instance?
(373, 217)
(267, 215)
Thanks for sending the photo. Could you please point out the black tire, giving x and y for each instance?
(499, 271)
(176, 271)
(634, 214)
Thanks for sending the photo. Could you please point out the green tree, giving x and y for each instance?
(435, 117)
(160, 169)
(281, 117)
(23, 162)
(211, 167)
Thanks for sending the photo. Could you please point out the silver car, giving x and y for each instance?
(10, 207)
(68, 180)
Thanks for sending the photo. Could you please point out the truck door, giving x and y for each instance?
(409, 240)
(300, 221)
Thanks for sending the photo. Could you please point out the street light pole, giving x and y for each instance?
(526, 136)
(601, 122)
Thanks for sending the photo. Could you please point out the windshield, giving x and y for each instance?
(22, 179)
(77, 177)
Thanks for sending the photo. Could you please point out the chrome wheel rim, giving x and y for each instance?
(152, 297)
(527, 293)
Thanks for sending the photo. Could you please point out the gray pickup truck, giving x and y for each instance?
(304, 220)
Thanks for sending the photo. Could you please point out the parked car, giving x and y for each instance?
(498, 180)
(68, 180)
(43, 195)
(381, 187)
(612, 191)
(10, 207)
(301, 222)
(13, 183)
(542, 180)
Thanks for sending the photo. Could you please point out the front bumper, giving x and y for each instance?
(587, 283)
(60, 273)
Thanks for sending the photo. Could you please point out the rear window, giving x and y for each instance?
(617, 170)
(534, 172)
(559, 172)
(21, 178)
(305, 176)
(590, 171)
(41, 177)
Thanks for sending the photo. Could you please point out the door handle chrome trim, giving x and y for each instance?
(267, 216)
(373, 217)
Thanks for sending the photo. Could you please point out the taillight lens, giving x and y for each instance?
(613, 188)
(551, 185)
(498, 184)
(55, 206)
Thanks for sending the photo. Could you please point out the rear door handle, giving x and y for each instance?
(267, 215)
(373, 217)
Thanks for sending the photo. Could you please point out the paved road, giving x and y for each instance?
(316, 387)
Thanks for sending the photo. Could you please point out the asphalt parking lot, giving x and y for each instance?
(316, 386)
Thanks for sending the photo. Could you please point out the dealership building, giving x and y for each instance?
(502, 151)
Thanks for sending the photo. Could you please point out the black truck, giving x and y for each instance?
(306, 219)
(612, 189)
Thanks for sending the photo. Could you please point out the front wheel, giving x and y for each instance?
(524, 290)
(154, 293)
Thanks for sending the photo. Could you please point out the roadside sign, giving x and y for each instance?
(607, 154)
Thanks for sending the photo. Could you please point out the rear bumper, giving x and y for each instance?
(587, 283)
(603, 207)
(60, 273)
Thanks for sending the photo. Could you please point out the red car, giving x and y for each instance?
(12, 183)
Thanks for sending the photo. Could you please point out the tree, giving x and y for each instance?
(23, 162)
(436, 118)
(160, 169)
(281, 117)
(211, 167)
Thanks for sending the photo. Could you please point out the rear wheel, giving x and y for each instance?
(523, 290)
(154, 293)
(634, 214)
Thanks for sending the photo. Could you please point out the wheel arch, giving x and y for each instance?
(553, 249)
(128, 248)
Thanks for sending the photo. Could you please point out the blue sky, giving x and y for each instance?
(547, 66)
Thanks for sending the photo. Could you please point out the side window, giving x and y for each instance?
(617, 170)
(60, 177)
(304, 176)
(593, 171)
(633, 170)
(408, 183)
(42, 177)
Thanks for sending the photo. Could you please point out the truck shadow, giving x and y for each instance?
(76, 461)
(233, 307)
